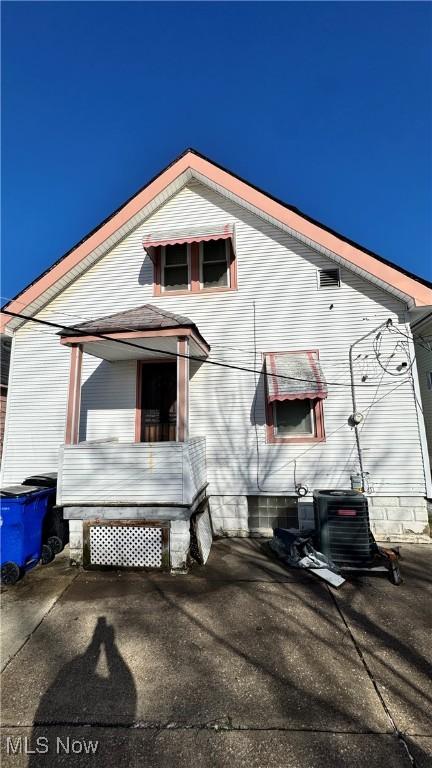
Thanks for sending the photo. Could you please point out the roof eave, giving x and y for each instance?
(413, 291)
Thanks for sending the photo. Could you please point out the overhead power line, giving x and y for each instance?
(105, 337)
(411, 338)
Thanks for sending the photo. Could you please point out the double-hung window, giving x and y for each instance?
(175, 267)
(294, 418)
(193, 260)
(295, 390)
(214, 264)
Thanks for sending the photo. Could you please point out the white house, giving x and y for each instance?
(421, 326)
(208, 341)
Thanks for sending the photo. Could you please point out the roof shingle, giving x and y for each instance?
(144, 318)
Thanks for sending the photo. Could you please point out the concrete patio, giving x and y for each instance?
(239, 663)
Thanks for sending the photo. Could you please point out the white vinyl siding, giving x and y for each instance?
(277, 307)
(423, 353)
(134, 473)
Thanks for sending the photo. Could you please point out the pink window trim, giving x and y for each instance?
(317, 405)
(195, 285)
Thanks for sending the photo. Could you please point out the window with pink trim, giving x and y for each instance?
(293, 419)
(198, 267)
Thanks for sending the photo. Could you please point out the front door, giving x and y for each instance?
(158, 402)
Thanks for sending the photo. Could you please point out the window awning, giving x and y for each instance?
(294, 376)
(189, 235)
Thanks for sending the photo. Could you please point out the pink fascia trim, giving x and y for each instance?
(420, 294)
(154, 334)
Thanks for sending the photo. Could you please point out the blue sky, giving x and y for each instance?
(325, 105)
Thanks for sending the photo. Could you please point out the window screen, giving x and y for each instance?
(214, 264)
(293, 418)
(176, 269)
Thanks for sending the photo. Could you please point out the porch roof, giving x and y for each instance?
(148, 331)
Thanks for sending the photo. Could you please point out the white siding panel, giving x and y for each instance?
(108, 397)
(423, 352)
(276, 308)
(135, 473)
(195, 468)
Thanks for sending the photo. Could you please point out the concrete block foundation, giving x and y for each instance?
(392, 518)
(400, 519)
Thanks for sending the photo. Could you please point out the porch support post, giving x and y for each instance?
(74, 396)
(182, 389)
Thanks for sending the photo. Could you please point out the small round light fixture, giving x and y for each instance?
(355, 419)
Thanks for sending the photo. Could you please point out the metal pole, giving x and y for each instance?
(353, 393)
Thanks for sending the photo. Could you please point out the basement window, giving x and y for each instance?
(328, 278)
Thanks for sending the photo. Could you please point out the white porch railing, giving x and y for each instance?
(131, 473)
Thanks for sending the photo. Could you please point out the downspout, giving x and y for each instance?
(353, 394)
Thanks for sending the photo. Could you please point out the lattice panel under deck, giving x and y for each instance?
(132, 546)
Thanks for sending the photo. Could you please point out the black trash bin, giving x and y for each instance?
(56, 529)
(46, 480)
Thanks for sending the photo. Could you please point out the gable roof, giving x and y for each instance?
(415, 291)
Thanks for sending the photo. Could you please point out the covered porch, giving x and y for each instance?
(152, 338)
(159, 477)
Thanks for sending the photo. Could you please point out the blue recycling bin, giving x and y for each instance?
(23, 509)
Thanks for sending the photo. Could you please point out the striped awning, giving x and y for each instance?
(189, 235)
(294, 376)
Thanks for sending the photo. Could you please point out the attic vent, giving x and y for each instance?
(329, 278)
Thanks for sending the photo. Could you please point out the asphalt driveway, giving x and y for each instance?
(239, 663)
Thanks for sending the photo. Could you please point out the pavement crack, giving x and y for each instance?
(370, 674)
(159, 727)
(59, 596)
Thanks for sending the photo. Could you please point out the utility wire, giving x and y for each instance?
(214, 345)
(341, 426)
(105, 337)
(411, 338)
(235, 349)
(376, 344)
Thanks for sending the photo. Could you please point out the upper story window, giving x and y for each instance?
(175, 267)
(193, 261)
(214, 264)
